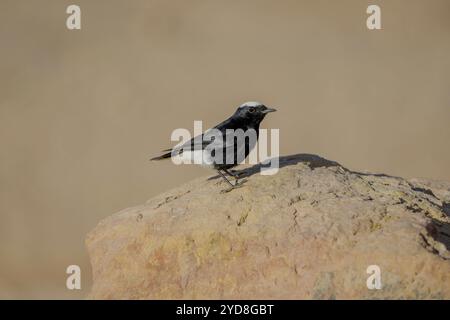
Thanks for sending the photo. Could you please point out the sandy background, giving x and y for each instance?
(82, 111)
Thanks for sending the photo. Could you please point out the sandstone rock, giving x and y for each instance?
(308, 232)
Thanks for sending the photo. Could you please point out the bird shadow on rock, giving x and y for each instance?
(311, 160)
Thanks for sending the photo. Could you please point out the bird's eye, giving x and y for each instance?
(251, 110)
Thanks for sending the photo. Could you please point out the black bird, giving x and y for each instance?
(204, 149)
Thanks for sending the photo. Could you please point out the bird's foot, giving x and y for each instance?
(235, 186)
(240, 183)
(230, 189)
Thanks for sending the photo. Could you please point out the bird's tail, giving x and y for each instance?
(163, 156)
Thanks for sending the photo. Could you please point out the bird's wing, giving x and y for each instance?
(211, 139)
(237, 151)
(203, 140)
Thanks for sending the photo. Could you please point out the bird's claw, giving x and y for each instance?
(235, 186)
(238, 184)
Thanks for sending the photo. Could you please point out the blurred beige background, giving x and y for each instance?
(82, 111)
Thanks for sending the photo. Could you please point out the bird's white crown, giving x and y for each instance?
(251, 104)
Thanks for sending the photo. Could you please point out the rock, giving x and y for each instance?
(308, 232)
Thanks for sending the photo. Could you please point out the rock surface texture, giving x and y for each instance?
(308, 232)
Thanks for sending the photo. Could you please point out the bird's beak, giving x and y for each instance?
(269, 110)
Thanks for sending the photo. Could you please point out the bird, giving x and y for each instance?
(217, 144)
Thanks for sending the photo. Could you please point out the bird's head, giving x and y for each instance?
(253, 112)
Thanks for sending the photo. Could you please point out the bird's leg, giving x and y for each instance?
(223, 176)
(232, 174)
(235, 176)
